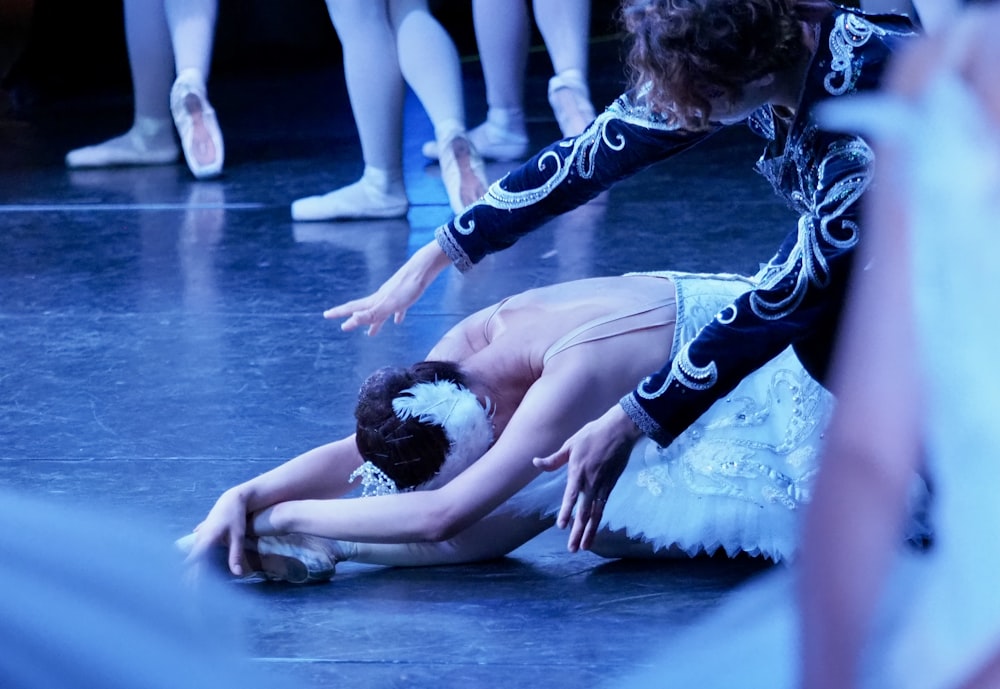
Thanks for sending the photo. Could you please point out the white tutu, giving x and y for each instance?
(738, 477)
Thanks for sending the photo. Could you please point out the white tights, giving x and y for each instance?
(164, 39)
(385, 42)
(503, 33)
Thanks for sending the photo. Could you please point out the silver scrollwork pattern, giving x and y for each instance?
(572, 156)
(806, 266)
(850, 32)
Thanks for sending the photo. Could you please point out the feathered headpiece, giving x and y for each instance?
(466, 424)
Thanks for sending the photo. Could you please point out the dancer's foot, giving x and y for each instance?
(570, 101)
(147, 143)
(197, 125)
(492, 141)
(365, 199)
(294, 558)
(462, 172)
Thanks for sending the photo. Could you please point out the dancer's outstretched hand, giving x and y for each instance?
(396, 294)
(597, 455)
(225, 525)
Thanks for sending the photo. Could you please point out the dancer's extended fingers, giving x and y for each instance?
(374, 327)
(593, 524)
(349, 308)
(572, 490)
(362, 317)
(570, 495)
(553, 461)
(236, 551)
(583, 512)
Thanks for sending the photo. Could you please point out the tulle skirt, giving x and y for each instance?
(738, 478)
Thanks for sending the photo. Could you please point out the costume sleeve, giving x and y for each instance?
(796, 295)
(623, 140)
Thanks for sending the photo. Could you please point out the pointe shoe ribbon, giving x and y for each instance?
(462, 171)
(569, 98)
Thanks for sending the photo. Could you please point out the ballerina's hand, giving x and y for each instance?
(597, 455)
(396, 294)
(225, 525)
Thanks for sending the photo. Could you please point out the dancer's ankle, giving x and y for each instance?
(507, 119)
(389, 182)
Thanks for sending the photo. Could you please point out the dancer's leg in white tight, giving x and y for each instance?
(151, 59)
(151, 138)
(429, 63)
(490, 538)
(192, 33)
(565, 28)
(376, 90)
(374, 81)
(503, 33)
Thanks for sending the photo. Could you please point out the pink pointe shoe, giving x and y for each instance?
(462, 172)
(197, 126)
(570, 101)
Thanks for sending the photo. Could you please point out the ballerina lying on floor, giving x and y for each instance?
(444, 449)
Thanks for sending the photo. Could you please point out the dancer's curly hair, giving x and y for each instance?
(409, 452)
(691, 51)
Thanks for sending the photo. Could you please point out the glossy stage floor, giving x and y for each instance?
(162, 340)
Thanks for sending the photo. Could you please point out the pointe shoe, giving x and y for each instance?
(359, 201)
(570, 101)
(462, 172)
(131, 148)
(294, 558)
(297, 558)
(197, 126)
(492, 141)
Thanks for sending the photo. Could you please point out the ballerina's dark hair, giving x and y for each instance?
(409, 452)
(690, 51)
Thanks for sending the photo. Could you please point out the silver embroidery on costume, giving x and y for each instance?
(806, 265)
(849, 33)
(580, 155)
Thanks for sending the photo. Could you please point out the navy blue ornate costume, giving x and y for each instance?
(798, 294)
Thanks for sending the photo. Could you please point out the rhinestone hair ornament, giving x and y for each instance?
(465, 422)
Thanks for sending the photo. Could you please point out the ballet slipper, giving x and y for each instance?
(140, 145)
(462, 172)
(359, 201)
(492, 141)
(197, 125)
(570, 101)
